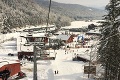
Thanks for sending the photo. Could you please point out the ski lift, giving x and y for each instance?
(27, 44)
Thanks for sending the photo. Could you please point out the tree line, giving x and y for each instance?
(109, 50)
(19, 13)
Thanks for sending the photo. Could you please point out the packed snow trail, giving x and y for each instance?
(68, 69)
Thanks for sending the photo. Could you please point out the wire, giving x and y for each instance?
(48, 15)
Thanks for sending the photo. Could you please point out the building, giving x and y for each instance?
(65, 38)
(25, 43)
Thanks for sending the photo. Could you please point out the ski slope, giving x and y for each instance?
(68, 69)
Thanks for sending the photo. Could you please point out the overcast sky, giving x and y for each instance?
(90, 3)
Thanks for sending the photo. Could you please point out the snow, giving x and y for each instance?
(4, 62)
(81, 24)
(52, 37)
(63, 37)
(90, 9)
(68, 69)
(50, 27)
(96, 31)
(35, 34)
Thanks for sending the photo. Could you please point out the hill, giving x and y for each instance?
(74, 11)
(19, 13)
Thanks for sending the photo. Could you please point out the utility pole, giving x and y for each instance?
(35, 64)
(89, 63)
(89, 66)
(48, 15)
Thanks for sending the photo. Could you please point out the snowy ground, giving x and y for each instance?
(81, 24)
(68, 69)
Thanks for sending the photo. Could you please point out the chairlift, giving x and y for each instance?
(21, 36)
(27, 44)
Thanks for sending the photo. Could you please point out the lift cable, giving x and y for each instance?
(48, 15)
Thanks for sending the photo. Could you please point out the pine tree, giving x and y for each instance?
(109, 49)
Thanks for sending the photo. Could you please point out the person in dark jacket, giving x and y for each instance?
(55, 72)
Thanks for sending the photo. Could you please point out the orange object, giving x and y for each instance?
(14, 68)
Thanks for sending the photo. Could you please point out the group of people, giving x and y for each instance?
(28, 58)
(56, 71)
(66, 52)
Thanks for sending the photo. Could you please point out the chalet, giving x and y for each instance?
(25, 43)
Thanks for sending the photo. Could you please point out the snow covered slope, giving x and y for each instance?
(67, 69)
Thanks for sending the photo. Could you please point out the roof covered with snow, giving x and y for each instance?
(81, 24)
(94, 32)
(5, 62)
(26, 34)
(63, 37)
(53, 37)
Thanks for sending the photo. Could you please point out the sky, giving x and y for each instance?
(89, 3)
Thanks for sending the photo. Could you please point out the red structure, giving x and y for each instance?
(9, 69)
(70, 39)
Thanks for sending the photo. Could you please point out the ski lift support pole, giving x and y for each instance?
(35, 64)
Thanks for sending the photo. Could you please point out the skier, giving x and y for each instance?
(74, 53)
(55, 72)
